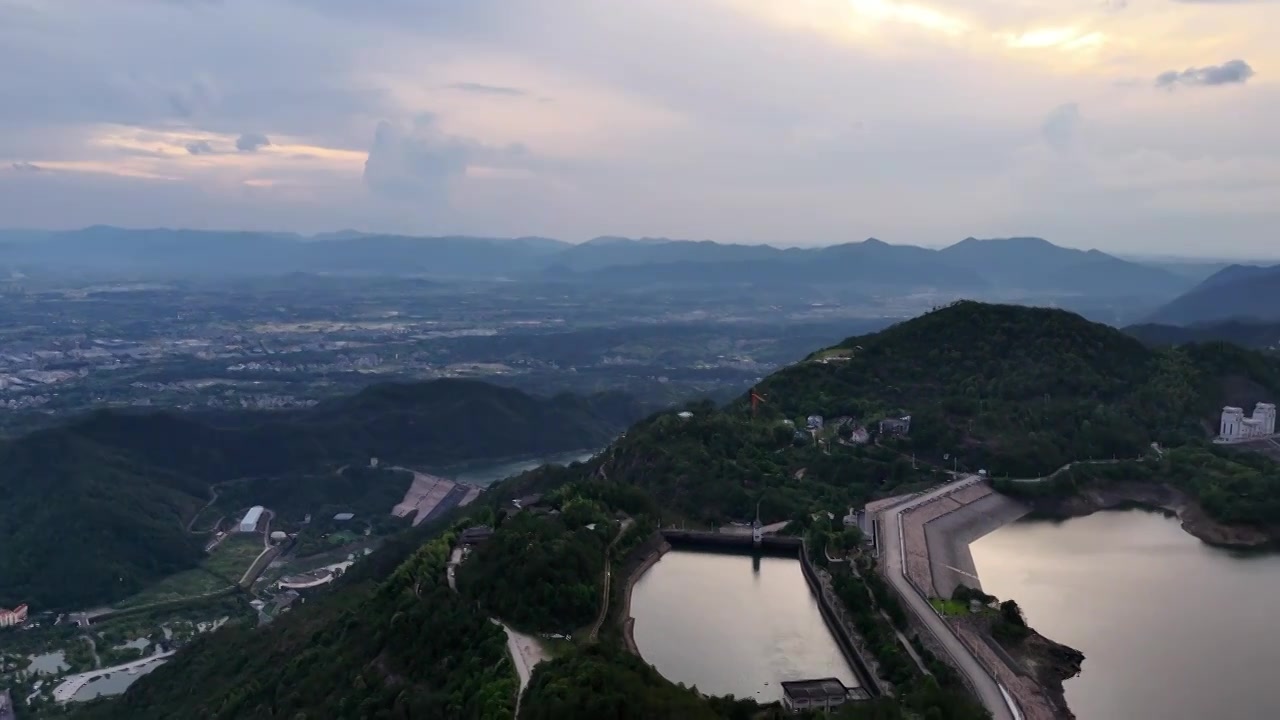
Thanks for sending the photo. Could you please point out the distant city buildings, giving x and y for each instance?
(1235, 427)
(11, 618)
(250, 521)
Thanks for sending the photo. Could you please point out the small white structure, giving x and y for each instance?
(1235, 427)
(685, 415)
(250, 521)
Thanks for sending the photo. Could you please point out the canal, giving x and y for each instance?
(733, 624)
(1170, 627)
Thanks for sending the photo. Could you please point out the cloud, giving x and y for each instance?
(26, 167)
(1230, 72)
(250, 142)
(421, 162)
(1114, 5)
(1059, 127)
(199, 147)
(482, 89)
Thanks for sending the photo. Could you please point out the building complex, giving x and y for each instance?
(1235, 427)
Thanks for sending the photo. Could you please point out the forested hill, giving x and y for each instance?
(1022, 391)
(96, 509)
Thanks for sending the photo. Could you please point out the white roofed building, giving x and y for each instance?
(251, 518)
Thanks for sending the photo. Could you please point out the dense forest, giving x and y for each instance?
(1233, 487)
(96, 509)
(540, 573)
(1022, 391)
(717, 465)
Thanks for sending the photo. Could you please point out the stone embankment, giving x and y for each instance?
(958, 518)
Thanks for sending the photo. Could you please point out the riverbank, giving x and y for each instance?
(1154, 496)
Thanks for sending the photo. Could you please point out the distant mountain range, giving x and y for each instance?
(972, 266)
(1247, 293)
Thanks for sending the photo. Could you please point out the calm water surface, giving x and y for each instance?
(714, 621)
(1171, 628)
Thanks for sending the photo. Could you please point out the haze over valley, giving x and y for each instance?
(669, 360)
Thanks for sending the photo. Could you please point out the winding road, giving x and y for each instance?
(989, 692)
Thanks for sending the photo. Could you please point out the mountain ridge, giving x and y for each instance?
(1024, 263)
(1247, 293)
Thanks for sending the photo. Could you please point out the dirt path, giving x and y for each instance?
(608, 573)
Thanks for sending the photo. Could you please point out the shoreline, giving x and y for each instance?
(1158, 497)
(651, 558)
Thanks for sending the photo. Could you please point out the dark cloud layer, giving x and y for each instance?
(199, 147)
(1230, 72)
(250, 142)
(26, 167)
(483, 89)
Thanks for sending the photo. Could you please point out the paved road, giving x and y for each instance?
(989, 692)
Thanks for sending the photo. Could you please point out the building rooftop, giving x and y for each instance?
(343, 516)
(815, 689)
(476, 534)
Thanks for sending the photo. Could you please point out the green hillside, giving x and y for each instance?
(97, 509)
(1022, 391)
(405, 647)
(1019, 391)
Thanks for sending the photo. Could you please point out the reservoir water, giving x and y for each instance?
(487, 474)
(719, 622)
(1171, 628)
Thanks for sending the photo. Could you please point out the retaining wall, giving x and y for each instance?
(843, 638)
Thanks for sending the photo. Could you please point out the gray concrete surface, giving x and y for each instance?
(989, 692)
(949, 537)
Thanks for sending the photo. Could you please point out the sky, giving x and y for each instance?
(1134, 126)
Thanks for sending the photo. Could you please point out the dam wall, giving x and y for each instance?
(948, 538)
(833, 619)
(784, 546)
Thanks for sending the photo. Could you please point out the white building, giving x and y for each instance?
(1235, 427)
(10, 618)
(250, 521)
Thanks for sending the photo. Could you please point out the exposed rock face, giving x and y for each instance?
(1052, 663)
(1162, 497)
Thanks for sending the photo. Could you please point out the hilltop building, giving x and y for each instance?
(475, 535)
(1235, 427)
(250, 521)
(824, 694)
(896, 426)
(10, 618)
